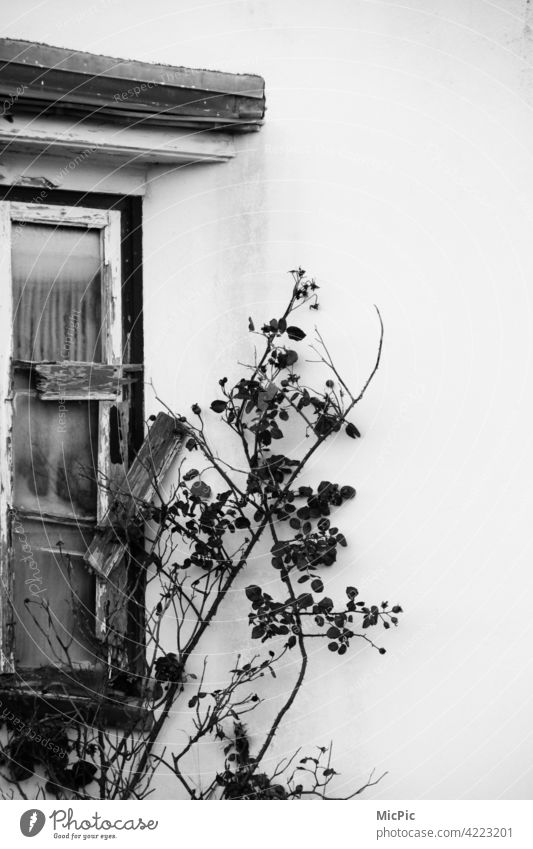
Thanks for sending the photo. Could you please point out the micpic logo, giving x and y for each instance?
(32, 822)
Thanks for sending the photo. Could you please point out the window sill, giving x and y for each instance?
(39, 693)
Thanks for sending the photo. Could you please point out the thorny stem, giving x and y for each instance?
(303, 666)
(206, 621)
(139, 752)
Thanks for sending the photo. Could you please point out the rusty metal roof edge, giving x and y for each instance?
(71, 61)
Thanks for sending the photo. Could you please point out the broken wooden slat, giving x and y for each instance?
(149, 466)
(72, 381)
(111, 612)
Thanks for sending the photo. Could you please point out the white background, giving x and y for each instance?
(179, 825)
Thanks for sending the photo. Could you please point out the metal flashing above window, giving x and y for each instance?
(37, 78)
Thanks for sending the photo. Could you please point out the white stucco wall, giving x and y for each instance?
(395, 164)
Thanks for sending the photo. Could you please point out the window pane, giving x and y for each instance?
(53, 596)
(55, 453)
(56, 293)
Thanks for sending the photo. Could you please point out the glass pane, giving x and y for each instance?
(56, 292)
(53, 596)
(24, 378)
(55, 455)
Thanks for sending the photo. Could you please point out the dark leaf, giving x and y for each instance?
(82, 773)
(295, 333)
(242, 522)
(347, 492)
(200, 489)
(219, 406)
(352, 431)
(253, 592)
(305, 600)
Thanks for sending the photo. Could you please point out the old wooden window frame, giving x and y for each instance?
(119, 219)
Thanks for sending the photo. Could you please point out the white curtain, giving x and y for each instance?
(57, 293)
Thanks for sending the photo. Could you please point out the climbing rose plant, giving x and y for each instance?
(198, 545)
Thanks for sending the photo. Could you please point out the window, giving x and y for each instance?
(71, 352)
(70, 427)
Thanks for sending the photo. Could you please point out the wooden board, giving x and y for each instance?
(72, 381)
(148, 468)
